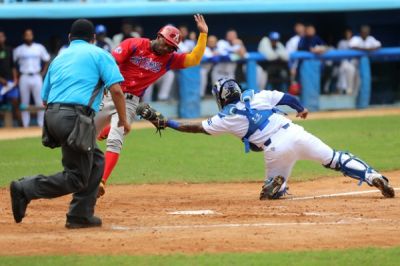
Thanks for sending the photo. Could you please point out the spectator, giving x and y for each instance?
(311, 41)
(164, 85)
(365, 41)
(102, 40)
(187, 44)
(139, 30)
(293, 43)
(8, 78)
(277, 61)
(233, 49)
(347, 76)
(210, 52)
(127, 32)
(30, 57)
(291, 47)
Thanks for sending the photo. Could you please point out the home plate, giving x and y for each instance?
(194, 212)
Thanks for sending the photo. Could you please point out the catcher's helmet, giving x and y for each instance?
(171, 35)
(226, 91)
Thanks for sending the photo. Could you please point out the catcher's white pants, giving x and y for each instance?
(31, 84)
(290, 145)
(108, 114)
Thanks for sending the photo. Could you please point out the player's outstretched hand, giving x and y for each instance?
(201, 23)
(303, 114)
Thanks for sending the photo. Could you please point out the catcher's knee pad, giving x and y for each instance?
(350, 165)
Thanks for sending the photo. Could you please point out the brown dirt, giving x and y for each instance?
(137, 221)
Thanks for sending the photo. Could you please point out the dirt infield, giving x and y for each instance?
(148, 219)
(138, 220)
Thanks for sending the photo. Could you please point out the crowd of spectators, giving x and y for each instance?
(23, 68)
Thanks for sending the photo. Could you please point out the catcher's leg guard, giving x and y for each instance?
(271, 188)
(351, 166)
(356, 168)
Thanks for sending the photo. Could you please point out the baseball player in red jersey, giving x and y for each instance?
(142, 61)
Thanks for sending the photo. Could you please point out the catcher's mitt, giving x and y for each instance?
(145, 111)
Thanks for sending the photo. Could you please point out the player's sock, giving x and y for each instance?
(104, 133)
(111, 160)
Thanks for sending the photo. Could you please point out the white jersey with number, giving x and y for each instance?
(239, 124)
(29, 57)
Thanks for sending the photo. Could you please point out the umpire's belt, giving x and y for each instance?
(268, 142)
(82, 109)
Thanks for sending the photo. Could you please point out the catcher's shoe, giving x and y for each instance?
(270, 190)
(102, 189)
(18, 201)
(382, 183)
(82, 222)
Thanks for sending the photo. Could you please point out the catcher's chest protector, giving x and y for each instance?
(258, 119)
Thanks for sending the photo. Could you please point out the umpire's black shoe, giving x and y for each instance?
(18, 201)
(82, 222)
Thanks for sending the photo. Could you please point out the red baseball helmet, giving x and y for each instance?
(171, 35)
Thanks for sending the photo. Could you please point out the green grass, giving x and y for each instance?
(177, 157)
(365, 257)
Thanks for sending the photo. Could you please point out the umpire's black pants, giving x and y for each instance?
(82, 171)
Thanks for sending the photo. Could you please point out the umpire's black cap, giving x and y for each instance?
(82, 29)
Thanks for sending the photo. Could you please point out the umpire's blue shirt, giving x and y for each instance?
(75, 72)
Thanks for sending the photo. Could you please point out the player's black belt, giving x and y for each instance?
(129, 96)
(268, 142)
(31, 74)
(75, 107)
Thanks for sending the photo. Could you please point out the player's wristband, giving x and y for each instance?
(172, 124)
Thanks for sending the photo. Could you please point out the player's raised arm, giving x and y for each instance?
(292, 102)
(147, 112)
(194, 58)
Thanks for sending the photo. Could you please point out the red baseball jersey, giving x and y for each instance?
(140, 66)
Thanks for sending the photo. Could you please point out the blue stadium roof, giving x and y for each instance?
(108, 8)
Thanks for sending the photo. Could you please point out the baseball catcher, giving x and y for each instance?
(254, 118)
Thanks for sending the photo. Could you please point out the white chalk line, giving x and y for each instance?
(193, 212)
(337, 194)
(210, 226)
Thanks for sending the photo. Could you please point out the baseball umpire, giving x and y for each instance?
(254, 118)
(72, 93)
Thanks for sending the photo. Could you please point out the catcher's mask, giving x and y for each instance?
(226, 91)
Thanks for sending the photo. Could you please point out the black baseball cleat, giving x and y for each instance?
(270, 190)
(382, 183)
(18, 201)
(82, 222)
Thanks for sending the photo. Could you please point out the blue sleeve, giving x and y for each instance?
(292, 102)
(46, 87)
(317, 41)
(109, 70)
